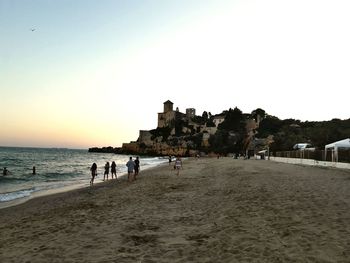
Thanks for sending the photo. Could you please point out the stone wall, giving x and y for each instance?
(145, 137)
(132, 147)
(165, 119)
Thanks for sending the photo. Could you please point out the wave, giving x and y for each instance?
(6, 197)
(9, 179)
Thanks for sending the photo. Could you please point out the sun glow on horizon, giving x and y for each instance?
(99, 82)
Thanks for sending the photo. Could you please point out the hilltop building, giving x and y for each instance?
(166, 117)
(218, 119)
(180, 133)
(167, 120)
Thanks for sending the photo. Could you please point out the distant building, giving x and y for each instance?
(190, 113)
(218, 119)
(182, 131)
(168, 106)
(168, 117)
(165, 118)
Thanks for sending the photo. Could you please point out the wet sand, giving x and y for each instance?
(217, 210)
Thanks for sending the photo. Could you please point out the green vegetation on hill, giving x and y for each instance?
(232, 133)
(238, 133)
(232, 136)
(289, 132)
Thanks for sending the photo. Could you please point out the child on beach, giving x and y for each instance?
(93, 170)
(178, 165)
(131, 166)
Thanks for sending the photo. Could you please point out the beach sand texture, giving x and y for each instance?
(217, 210)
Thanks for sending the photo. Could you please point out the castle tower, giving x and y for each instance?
(168, 106)
(166, 118)
(190, 113)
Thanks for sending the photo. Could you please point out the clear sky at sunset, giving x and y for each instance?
(83, 73)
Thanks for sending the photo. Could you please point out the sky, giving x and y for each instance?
(85, 73)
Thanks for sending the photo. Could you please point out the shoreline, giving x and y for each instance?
(41, 194)
(217, 210)
(56, 171)
(63, 190)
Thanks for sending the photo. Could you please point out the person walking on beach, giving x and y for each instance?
(106, 171)
(131, 166)
(93, 170)
(137, 167)
(178, 165)
(114, 170)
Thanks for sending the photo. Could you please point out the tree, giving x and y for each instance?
(218, 142)
(230, 134)
(269, 126)
(234, 121)
(258, 112)
(205, 115)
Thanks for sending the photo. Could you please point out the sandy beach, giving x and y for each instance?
(216, 210)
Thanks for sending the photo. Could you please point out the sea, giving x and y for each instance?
(57, 169)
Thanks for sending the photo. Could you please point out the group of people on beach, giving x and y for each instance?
(133, 168)
(113, 167)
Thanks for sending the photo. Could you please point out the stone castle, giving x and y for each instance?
(148, 142)
(184, 134)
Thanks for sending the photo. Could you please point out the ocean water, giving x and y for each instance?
(56, 169)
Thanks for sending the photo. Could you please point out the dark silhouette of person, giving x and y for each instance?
(131, 166)
(169, 159)
(114, 170)
(5, 171)
(106, 171)
(93, 170)
(137, 167)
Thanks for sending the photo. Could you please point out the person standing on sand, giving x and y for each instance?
(137, 167)
(93, 170)
(131, 166)
(169, 160)
(178, 165)
(114, 170)
(106, 171)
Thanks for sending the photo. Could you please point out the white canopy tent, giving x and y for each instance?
(345, 144)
